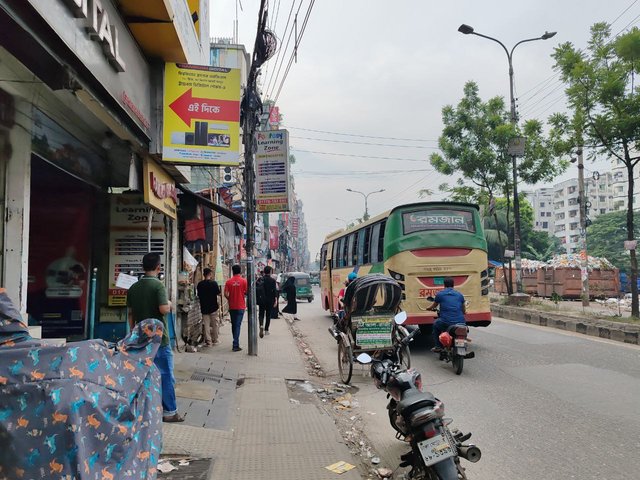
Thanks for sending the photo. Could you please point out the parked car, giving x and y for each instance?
(303, 285)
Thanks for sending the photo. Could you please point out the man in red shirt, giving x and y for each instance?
(235, 291)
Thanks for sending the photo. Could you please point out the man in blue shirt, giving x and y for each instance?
(452, 310)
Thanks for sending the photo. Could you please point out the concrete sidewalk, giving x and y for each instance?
(239, 418)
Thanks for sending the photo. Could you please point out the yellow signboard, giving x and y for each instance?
(201, 115)
(159, 189)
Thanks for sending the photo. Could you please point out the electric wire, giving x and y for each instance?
(273, 79)
(295, 49)
(360, 156)
(365, 143)
(377, 137)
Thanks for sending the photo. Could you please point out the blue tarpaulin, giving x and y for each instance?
(85, 410)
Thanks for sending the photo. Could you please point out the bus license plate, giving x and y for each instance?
(438, 280)
(435, 450)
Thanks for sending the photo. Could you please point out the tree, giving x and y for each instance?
(606, 237)
(601, 89)
(474, 145)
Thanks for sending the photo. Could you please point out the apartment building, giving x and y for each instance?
(557, 209)
(542, 202)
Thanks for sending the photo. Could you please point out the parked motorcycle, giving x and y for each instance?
(455, 345)
(418, 418)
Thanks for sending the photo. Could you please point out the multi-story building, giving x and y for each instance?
(81, 87)
(542, 202)
(557, 208)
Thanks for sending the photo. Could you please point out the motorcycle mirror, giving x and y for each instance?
(400, 318)
(431, 299)
(364, 358)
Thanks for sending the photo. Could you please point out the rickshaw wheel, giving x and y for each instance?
(405, 357)
(345, 361)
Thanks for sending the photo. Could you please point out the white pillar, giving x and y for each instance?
(18, 206)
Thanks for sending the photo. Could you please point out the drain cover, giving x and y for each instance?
(196, 470)
(201, 376)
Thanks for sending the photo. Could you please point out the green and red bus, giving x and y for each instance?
(418, 245)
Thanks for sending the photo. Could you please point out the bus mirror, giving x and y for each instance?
(400, 318)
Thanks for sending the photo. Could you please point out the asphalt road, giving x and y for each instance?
(541, 403)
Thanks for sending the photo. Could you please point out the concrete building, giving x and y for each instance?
(542, 202)
(81, 87)
(557, 209)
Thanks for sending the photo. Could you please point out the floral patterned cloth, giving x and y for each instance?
(79, 411)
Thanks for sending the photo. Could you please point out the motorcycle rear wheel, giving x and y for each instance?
(345, 361)
(458, 362)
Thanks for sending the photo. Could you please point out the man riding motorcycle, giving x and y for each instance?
(452, 310)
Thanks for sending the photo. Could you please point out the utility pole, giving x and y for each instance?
(264, 48)
(584, 270)
(248, 130)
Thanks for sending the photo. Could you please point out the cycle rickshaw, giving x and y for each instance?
(370, 304)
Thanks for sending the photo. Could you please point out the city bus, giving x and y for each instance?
(418, 245)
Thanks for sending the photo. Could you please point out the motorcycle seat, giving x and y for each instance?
(452, 329)
(415, 401)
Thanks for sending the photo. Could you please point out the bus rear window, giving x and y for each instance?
(438, 219)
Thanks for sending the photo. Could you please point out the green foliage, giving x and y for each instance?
(474, 145)
(606, 236)
(602, 91)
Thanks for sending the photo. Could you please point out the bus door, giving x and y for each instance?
(330, 275)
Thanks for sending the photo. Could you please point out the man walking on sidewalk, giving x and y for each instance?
(147, 298)
(266, 298)
(235, 291)
(208, 291)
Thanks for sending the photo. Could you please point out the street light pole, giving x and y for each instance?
(366, 198)
(466, 29)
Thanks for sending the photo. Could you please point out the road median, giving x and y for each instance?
(562, 320)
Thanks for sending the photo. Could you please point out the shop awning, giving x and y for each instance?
(163, 28)
(225, 212)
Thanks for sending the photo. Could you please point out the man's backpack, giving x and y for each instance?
(261, 294)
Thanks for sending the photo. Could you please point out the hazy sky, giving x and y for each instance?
(384, 70)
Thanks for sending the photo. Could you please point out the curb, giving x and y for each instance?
(620, 332)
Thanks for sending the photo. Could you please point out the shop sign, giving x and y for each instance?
(160, 189)
(99, 28)
(96, 33)
(272, 171)
(129, 241)
(274, 115)
(274, 238)
(201, 115)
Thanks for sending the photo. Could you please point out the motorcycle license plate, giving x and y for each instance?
(460, 343)
(435, 450)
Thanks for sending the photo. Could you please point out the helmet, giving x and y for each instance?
(352, 276)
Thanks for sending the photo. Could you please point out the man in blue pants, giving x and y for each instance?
(147, 298)
(452, 310)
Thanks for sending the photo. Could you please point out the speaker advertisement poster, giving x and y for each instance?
(201, 115)
(272, 171)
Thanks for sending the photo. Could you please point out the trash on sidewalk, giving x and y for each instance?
(166, 466)
(340, 467)
(384, 472)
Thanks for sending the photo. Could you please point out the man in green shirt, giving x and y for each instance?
(147, 298)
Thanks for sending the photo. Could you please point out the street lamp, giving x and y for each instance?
(468, 30)
(366, 197)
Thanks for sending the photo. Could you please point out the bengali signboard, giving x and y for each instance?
(129, 242)
(373, 332)
(160, 189)
(272, 171)
(201, 115)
